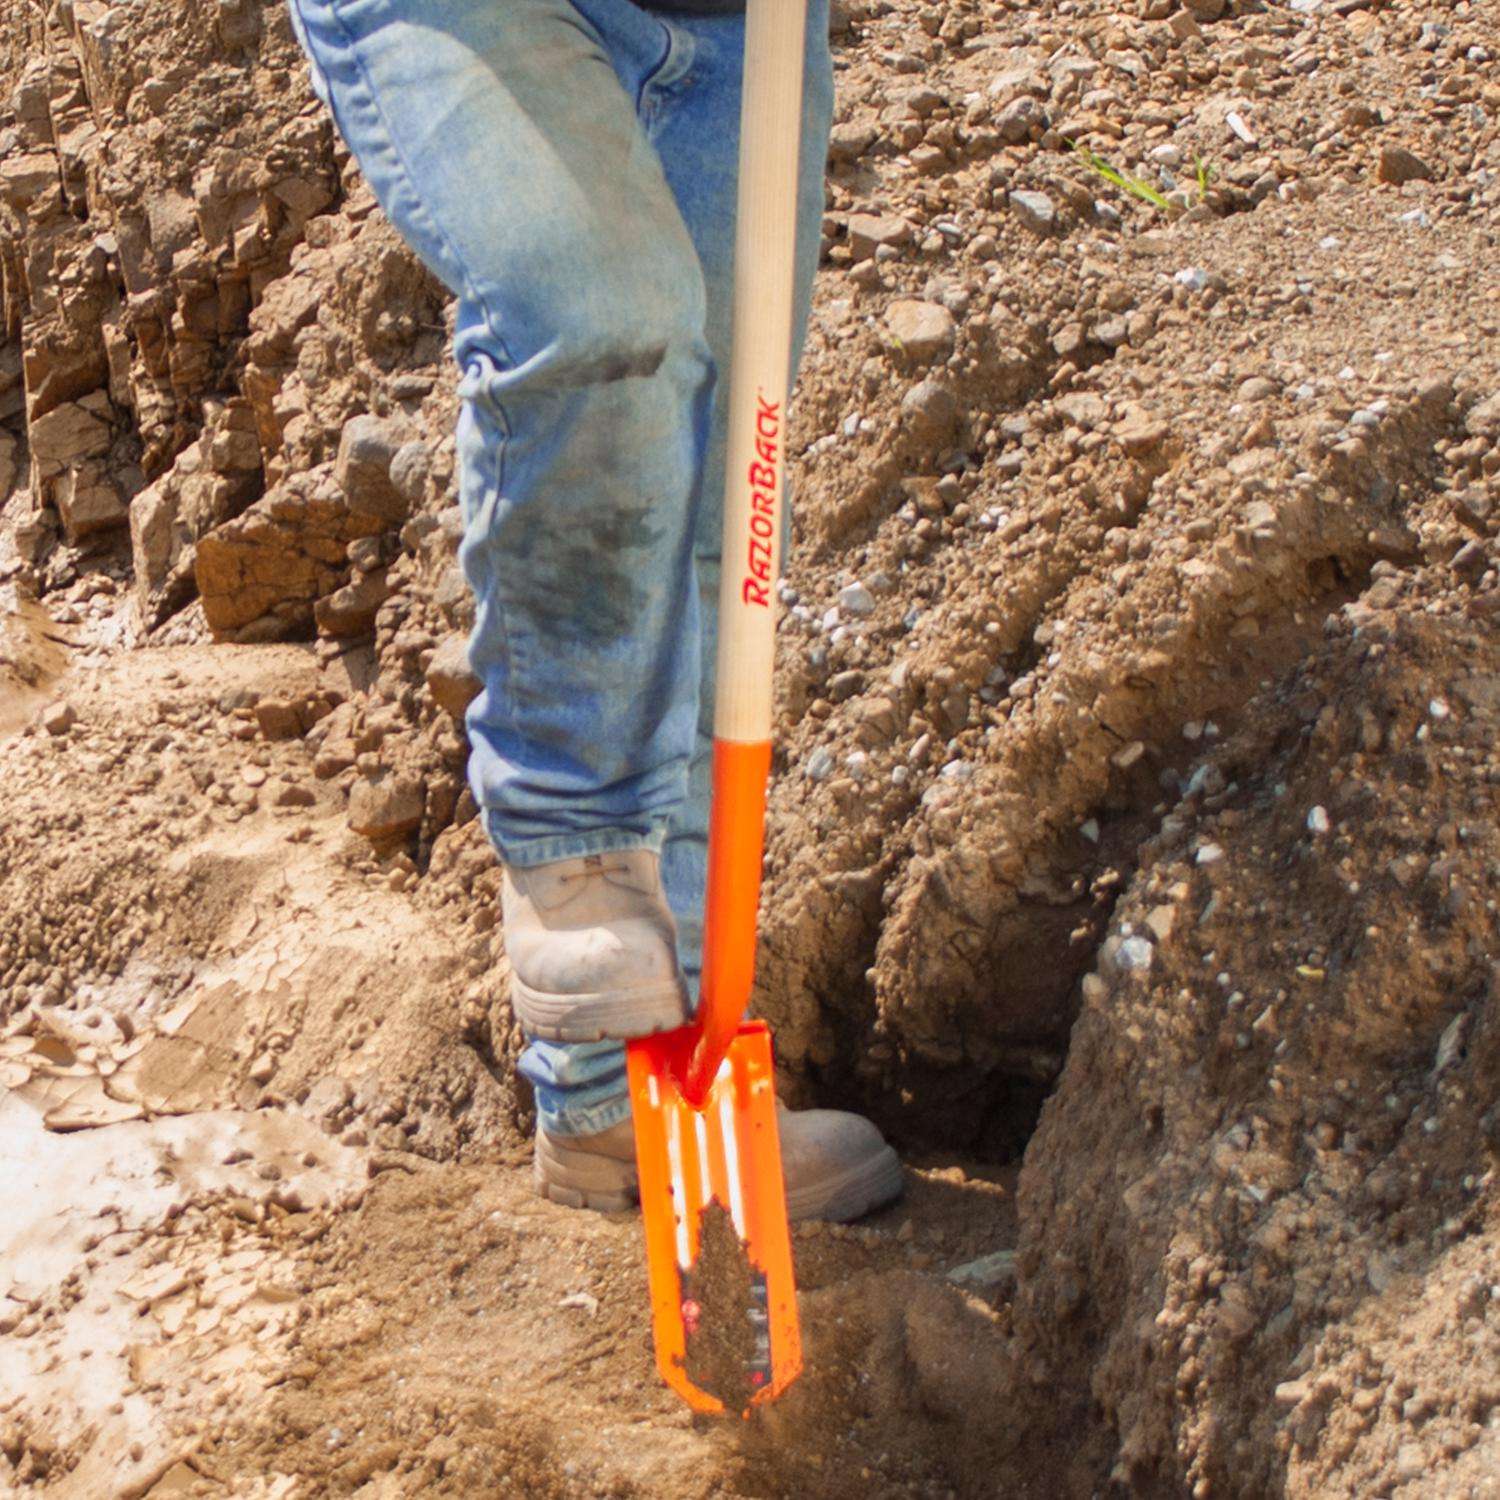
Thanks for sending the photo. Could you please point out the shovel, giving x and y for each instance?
(713, 1198)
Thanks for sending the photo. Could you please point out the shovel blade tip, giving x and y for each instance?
(713, 1205)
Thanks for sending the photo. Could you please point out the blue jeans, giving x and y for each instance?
(567, 168)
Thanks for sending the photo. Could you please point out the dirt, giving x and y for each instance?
(1133, 853)
(723, 1352)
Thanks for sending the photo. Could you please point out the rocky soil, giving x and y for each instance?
(1134, 852)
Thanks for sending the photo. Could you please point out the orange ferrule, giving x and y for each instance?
(736, 844)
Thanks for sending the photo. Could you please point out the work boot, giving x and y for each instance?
(592, 948)
(837, 1166)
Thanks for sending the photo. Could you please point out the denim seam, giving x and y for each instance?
(673, 67)
(514, 665)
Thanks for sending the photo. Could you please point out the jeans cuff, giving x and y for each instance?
(587, 1119)
(522, 854)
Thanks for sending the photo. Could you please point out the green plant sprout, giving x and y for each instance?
(1204, 171)
(1137, 187)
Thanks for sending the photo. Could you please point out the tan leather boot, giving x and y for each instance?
(592, 948)
(837, 1166)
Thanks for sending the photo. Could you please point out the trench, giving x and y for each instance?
(985, 1108)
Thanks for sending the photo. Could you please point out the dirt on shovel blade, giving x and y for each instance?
(724, 1312)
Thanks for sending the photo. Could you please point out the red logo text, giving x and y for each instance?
(762, 478)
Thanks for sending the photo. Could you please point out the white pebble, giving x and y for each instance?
(1317, 820)
(857, 599)
(820, 764)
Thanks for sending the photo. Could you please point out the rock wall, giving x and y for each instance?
(184, 333)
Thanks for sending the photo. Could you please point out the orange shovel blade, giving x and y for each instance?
(713, 1201)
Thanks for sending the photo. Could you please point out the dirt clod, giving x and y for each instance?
(724, 1309)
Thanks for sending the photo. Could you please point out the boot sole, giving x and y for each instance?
(599, 1017)
(584, 1179)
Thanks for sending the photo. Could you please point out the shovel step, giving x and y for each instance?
(713, 1203)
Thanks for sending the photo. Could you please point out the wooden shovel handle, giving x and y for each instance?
(754, 504)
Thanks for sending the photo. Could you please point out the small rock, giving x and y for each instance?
(1470, 560)
(409, 470)
(1161, 920)
(820, 764)
(924, 331)
(1140, 436)
(992, 1270)
(857, 599)
(929, 161)
(279, 719)
(1070, 341)
(1112, 332)
(1484, 419)
(367, 451)
(59, 718)
(351, 610)
(1035, 210)
(68, 433)
(336, 756)
(386, 806)
(930, 409)
(845, 685)
(868, 232)
(1083, 408)
(449, 678)
(1017, 119)
(1398, 165)
(850, 140)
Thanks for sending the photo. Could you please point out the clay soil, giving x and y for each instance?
(1133, 855)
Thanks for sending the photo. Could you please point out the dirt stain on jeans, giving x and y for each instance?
(584, 586)
(617, 366)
